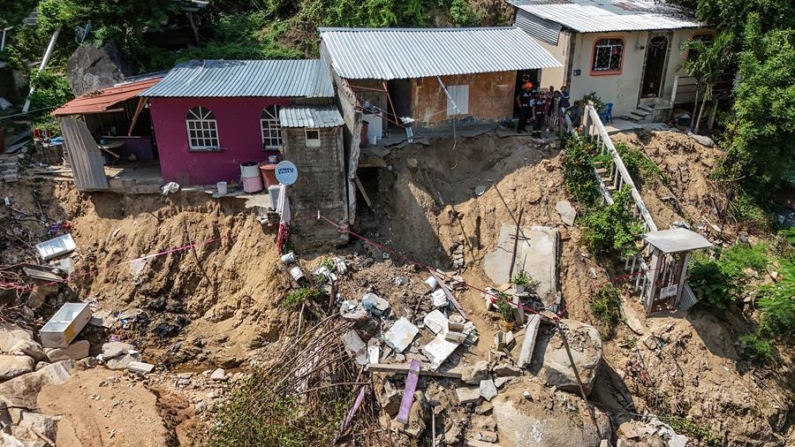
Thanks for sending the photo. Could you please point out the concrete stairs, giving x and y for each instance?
(641, 114)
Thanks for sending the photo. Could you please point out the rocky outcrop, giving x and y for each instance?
(90, 68)
(552, 362)
(10, 335)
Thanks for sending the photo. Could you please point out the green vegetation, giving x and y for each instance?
(521, 279)
(504, 307)
(720, 281)
(642, 169)
(613, 228)
(707, 67)
(690, 428)
(578, 170)
(294, 299)
(756, 349)
(595, 99)
(606, 307)
(777, 304)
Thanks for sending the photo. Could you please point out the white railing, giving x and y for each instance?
(617, 178)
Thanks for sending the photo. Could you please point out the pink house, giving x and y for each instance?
(211, 116)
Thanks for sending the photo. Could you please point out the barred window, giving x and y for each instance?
(202, 130)
(608, 54)
(271, 128)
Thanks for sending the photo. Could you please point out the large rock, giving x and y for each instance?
(15, 365)
(115, 349)
(90, 68)
(76, 351)
(474, 373)
(29, 348)
(10, 335)
(22, 391)
(34, 424)
(527, 424)
(555, 367)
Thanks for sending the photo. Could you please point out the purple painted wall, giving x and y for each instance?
(239, 135)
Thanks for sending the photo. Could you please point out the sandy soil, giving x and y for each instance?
(121, 412)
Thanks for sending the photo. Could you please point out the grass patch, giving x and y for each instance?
(690, 428)
(606, 307)
(294, 299)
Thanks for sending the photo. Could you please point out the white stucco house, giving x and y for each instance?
(629, 52)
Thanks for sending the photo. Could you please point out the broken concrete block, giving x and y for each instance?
(218, 374)
(121, 362)
(518, 310)
(115, 349)
(144, 368)
(40, 424)
(467, 395)
(566, 211)
(476, 372)
(506, 370)
(455, 337)
(401, 335)
(438, 350)
(76, 351)
(488, 390)
(439, 298)
(501, 381)
(10, 335)
(678, 441)
(29, 348)
(510, 340)
(435, 321)
(487, 436)
(651, 342)
(375, 304)
(455, 326)
(529, 341)
(15, 365)
(390, 399)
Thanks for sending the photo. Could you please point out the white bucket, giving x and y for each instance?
(373, 139)
(432, 283)
(289, 258)
(296, 273)
(221, 188)
(249, 169)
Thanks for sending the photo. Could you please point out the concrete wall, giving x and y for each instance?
(371, 90)
(321, 186)
(556, 76)
(239, 135)
(491, 97)
(623, 88)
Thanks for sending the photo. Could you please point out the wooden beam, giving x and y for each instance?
(449, 293)
(403, 368)
(361, 190)
(138, 109)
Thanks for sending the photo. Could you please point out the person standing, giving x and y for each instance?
(539, 111)
(525, 102)
(564, 99)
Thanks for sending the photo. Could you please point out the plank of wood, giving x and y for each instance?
(403, 368)
(449, 293)
(408, 393)
(364, 194)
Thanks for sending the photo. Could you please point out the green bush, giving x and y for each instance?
(640, 167)
(578, 171)
(756, 349)
(777, 305)
(294, 299)
(710, 283)
(613, 228)
(606, 307)
(52, 89)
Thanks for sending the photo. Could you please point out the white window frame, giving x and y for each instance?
(271, 127)
(610, 43)
(457, 100)
(202, 128)
(312, 142)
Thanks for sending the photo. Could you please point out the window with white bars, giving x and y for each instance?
(458, 100)
(271, 128)
(608, 54)
(312, 137)
(202, 130)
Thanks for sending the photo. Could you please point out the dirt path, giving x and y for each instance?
(102, 408)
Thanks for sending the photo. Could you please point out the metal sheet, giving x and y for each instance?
(543, 30)
(401, 53)
(676, 240)
(308, 116)
(270, 78)
(594, 16)
(85, 158)
(102, 100)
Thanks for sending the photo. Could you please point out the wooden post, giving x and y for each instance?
(515, 243)
(577, 376)
(712, 113)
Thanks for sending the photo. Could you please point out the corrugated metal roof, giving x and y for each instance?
(270, 78)
(543, 30)
(400, 53)
(310, 116)
(101, 100)
(596, 16)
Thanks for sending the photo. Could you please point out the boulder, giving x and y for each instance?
(15, 365)
(523, 424)
(90, 68)
(115, 349)
(29, 348)
(10, 335)
(23, 391)
(121, 362)
(566, 211)
(586, 349)
(76, 351)
(37, 424)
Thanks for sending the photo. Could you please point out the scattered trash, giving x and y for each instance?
(170, 188)
(58, 246)
(479, 190)
(432, 283)
(64, 326)
(439, 298)
(297, 273)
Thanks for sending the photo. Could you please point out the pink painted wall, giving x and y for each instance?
(239, 135)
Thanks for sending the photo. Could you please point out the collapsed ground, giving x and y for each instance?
(221, 304)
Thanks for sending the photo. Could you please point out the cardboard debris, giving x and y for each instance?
(401, 335)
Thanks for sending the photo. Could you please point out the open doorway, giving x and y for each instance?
(523, 76)
(656, 54)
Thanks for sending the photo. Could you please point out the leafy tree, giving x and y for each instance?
(761, 141)
(52, 89)
(778, 305)
(711, 61)
(732, 15)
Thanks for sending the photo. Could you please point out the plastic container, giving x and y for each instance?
(252, 184)
(269, 174)
(273, 159)
(221, 188)
(289, 258)
(296, 273)
(249, 169)
(432, 283)
(373, 140)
